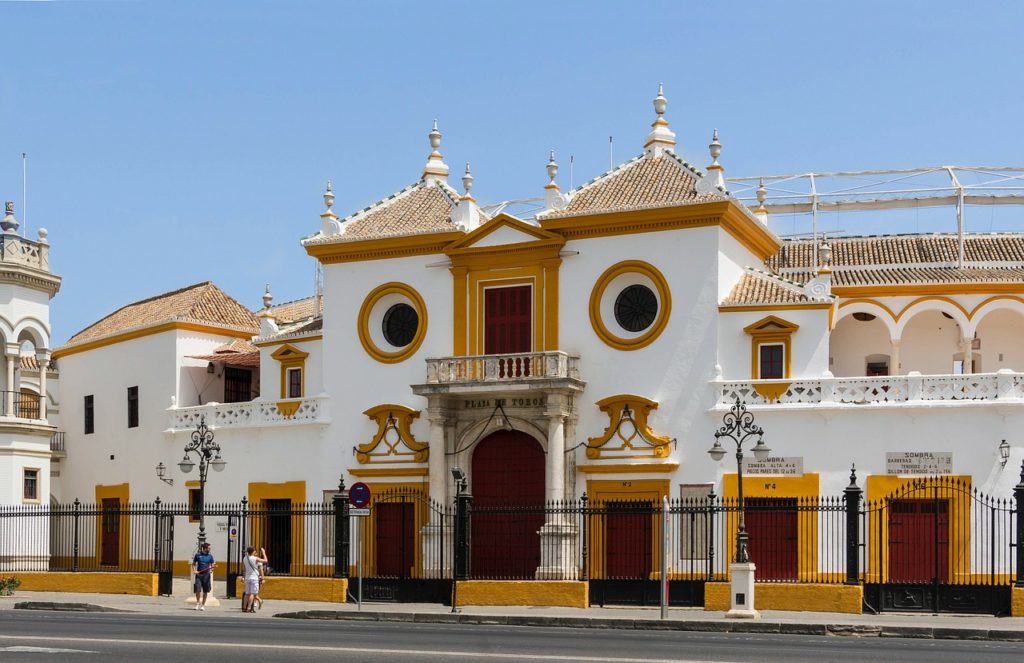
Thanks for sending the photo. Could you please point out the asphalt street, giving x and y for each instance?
(46, 636)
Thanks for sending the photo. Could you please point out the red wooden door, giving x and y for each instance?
(628, 540)
(772, 529)
(508, 499)
(918, 540)
(508, 326)
(111, 525)
(396, 545)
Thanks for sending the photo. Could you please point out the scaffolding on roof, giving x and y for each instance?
(876, 190)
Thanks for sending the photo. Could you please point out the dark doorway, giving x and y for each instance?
(396, 543)
(111, 526)
(508, 500)
(919, 541)
(629, 544)
(772, 528)
(278, 536)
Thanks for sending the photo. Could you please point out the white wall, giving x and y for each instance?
(809, 343)
(1002, 341)
(928, 343)
(852, 341)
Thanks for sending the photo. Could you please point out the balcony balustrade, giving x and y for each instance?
(251, 414)
(18, 250)
(524, 366)
(980, 388)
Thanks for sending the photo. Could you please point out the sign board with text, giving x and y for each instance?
(786, 466)
(919, 462)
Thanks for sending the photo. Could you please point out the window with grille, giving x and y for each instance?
(294, 383)
(133, 407)
(237, 385)
(31, 482)
(89, 418)
(772, 357)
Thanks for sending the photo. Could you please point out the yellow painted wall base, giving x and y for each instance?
(1017, 601)
(330, 590)
(142, 584)
(799, 598)
(524, 592)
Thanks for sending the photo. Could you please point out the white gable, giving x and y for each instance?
(504, 235)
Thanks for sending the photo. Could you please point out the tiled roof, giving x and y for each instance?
(238, 352)
(903, 250)
(756, 287)
(644, 182)
(304, 327)
(30, 363)
(299, 309)
(908, 260)
(421, 208)
(202, 302)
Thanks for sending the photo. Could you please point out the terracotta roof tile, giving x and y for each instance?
(238, 352)
(759, 288)
(203, 302)
(420, 208)
(299, 309)
(644, 182)
(908, 259)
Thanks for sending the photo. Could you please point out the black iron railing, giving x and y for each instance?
(57, 442)
(24, 405)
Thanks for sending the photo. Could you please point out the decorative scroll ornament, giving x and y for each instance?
(628, 434)
(393, 441)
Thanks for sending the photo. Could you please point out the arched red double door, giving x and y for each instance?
(508, 501)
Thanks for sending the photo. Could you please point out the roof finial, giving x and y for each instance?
(552, 168)
(715, 170)
(329, 196)
(661, 139)
(553, 198)
(268, 298)
(761, 212)
(9, 223)
(436, 168)
(467, 182)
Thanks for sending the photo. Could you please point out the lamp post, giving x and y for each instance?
(739, 427)
(208, 451)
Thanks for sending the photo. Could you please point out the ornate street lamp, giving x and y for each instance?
(738, 426)
(202, 445)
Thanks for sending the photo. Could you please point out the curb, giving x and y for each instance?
(786, 628)
(65, 607)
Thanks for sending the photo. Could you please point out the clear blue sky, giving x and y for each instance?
(174, 142)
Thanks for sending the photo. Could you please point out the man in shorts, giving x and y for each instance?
(251, 570)
(202, 567)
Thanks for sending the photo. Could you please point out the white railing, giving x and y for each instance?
(250, 414)
(22, 251)
(503, 368)
(1003, 386)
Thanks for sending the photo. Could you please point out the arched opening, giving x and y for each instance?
(929, 342)
(856, 344)
(998, 340)
(508, 499)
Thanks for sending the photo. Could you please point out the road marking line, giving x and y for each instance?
(351, 650)
(46, 650)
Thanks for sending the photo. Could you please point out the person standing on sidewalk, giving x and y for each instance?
(202, 566)
(251, 568)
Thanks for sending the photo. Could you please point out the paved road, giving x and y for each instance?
(69, 637)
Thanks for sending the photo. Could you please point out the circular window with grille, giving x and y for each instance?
(400, 324)
(630, 305)
(392, 322)
(636, 307)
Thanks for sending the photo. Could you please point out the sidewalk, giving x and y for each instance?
(971, 627)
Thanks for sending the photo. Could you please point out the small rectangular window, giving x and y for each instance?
(89, 414)
(31, 484)
(294, 383)
(195, 502)
(133, 407)
(237, 385)
(772, 357)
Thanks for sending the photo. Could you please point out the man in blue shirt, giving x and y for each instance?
(202, 567)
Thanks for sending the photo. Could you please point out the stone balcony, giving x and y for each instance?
(502, 372)
(251, 414)
(913, 389)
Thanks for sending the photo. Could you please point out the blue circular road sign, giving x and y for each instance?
(359, 495)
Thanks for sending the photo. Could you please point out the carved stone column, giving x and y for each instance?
(435, 537)
(558, 535)
(44, 363)
(894, 357)
(13, 356)
(965, 348)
